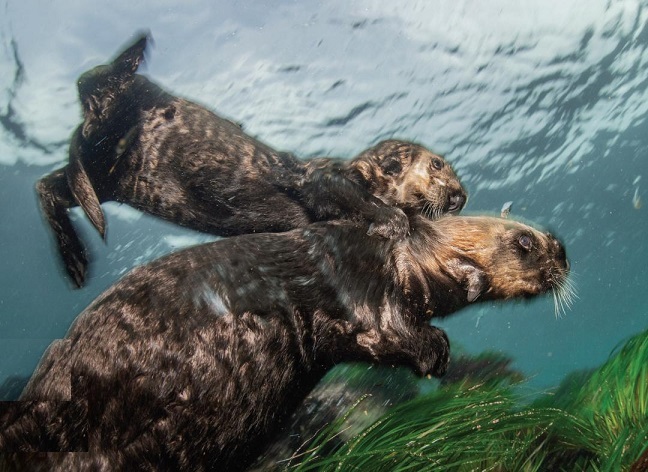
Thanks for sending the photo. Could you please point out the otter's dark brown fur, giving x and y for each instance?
(179, 161)
(193, 361)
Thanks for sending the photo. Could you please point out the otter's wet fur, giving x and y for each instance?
(177, 160)
(194, 361)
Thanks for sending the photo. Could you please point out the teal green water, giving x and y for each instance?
(539, 103)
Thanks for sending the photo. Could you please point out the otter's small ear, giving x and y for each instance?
(471, 277)
(475, 284)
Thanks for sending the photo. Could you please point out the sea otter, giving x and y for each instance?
(193, 361)
(179, 161)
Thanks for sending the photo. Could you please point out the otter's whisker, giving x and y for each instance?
(564, 303)
(569, 291)
(561, 300)
(564, 294)
(556, 306)
(427, 210)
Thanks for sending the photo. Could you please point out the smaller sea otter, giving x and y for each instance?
(192, 362)
(179, 161)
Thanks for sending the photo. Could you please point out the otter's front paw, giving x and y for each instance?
(432, 351)
(390, 223)
(442, 351)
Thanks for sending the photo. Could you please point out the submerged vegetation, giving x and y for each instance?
(595, 421)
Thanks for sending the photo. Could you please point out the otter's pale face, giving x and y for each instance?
(499, 259)
(413, 178)
(434, 179)
(526, 262)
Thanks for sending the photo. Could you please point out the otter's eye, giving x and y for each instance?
(526, 242)
(437, 163)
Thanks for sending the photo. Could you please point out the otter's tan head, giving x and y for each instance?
(411, 177)
(498, 259)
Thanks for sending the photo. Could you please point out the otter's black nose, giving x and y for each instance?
(455, 203)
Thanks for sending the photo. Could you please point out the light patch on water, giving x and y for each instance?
(558, 209)
(122, 212)
(185, 240)
(120, 247)
(610, 238)
(147, 255)
(499, 72)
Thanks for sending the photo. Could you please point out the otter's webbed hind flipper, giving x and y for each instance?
(104, 80)
(81, 186)
(55, 200)
(100, 87)
(130, 59)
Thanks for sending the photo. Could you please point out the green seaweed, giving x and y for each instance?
(612, 402)
(595, 421)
